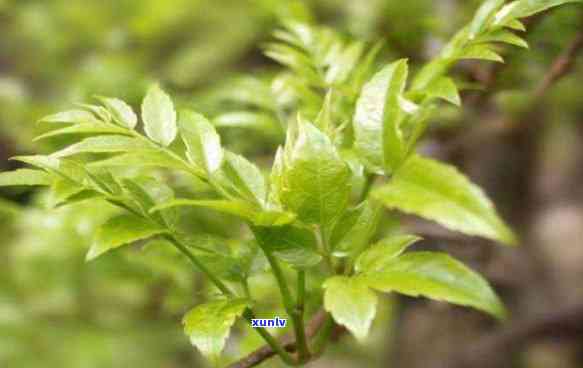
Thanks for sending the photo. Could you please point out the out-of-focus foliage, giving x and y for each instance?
(122, 310)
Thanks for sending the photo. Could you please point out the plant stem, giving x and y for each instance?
(321, 340)
(248, 314)
(289, 305)
(303, 350)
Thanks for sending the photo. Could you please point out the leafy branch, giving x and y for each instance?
(349, 150)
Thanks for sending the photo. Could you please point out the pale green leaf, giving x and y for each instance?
(121, 230)
(383, 252)
(351, 303)
(103, 144)
(25, 177)
(480, 52)
(208, 325)
(504, 36)
(316, 181)
(242, 178)
(122, 112)
(441, 193)
(436, 276)
(159, 116)
(85, 128)
(202, 141)
(145, 158)
(353, 230)
(377, 117)
(294, 245)
(446, 89)
(71, 117)
(483, 16)
(234, 207)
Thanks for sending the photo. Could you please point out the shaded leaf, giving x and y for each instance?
(291, 244)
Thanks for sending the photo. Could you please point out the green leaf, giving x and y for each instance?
(71, 117)
(483, 16)
(208, 325)
(103, 144)
(480, 52)
(26, 177)
(85, 128)
(526, 8)
(445, 89)
(234, 207)
(377, 118)
(351, 303)
(159, 116)
(504, 36)
(316, 181)
(241, 177)
(145, 158)
(121, 230)
(202, 141)
(122, 112)
(436, 276)
(294, 245)
(353, 230)
(439, 192)
(379, 255)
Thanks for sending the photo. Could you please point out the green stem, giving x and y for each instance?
(303, 350)
(289, 306)
(248, 314)
(321, 340)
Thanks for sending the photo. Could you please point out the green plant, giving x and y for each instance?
(349, 150)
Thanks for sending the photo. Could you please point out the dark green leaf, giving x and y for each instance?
(292, 244)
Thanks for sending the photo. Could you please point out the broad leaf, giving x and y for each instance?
(121, 230)
(26, 177)
(85, 128)
(237, 208)
(122, 112)
(202, 141)
(351, 303)
(383, 252)
(444, 88)
(436, 276)
(316, 181)
(145, 158)
(291, 244)
(103, 144)
(377, 117)
(71, 117)
(441, 193)
(208, 325)
(242, 178)
(159, 116)
(354, 229)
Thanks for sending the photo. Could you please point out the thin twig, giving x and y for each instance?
(287, 341)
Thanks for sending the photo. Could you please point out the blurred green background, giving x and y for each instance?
(124, 310)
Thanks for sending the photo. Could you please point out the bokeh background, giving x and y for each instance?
(519, 135)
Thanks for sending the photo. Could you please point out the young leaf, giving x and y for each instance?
(121, 230)
(316, 181)
(208, 325)
(71, 117)
(441, 193)
(480, 52)
(26, 177)
(354, 229)
(85, 128)
(103, 144)
(159, 116)
(235, 207)
(351, 303)
(484, 15)
(122, 112)
(242, 178)
(436, 276)
(444, 88)
(202, 141)
(145, 158)
(377, 117)
(379, 255)
(504, 36)
(292, 244)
